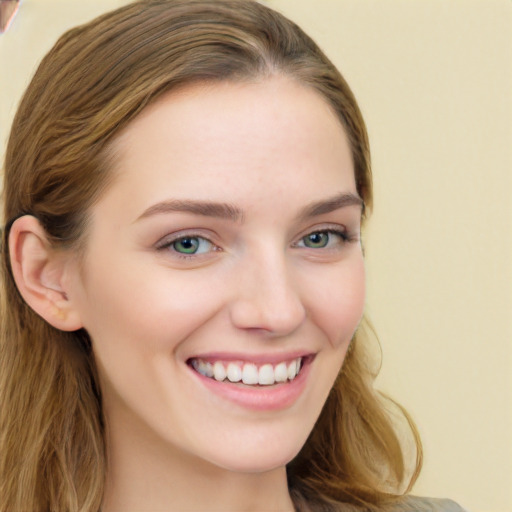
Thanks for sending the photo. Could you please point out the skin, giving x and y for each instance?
(268, 149)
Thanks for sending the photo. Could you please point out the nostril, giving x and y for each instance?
(265, 297)
(278, 317)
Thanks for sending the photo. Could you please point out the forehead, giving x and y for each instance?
(212, 139)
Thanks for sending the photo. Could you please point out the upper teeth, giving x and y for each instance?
(249, 373)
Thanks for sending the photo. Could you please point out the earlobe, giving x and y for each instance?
(39, 271)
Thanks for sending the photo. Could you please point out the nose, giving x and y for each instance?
(267, 297)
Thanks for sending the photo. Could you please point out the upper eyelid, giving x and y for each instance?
(173, 237)
(342, 233)
(327, 226)
(164, 246)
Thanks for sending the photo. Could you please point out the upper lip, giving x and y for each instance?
(268, 358)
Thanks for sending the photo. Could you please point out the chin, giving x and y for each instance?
(258, 457)
(259, 463)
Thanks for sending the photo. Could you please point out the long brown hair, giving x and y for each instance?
(94, 81)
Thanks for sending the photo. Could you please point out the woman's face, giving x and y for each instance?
(228, 243)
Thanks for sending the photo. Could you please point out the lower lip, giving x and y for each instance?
(259, 398)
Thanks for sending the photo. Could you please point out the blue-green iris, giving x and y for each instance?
(316, 240)
(186, 245)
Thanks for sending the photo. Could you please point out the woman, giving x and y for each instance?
(184, 279)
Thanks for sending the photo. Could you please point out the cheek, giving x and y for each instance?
(146, 307)
(337, 307)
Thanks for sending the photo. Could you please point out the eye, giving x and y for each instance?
(316, 240)
(323, 239)
(189, 245)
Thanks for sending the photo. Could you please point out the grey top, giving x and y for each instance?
(417, 504)
(407, 503)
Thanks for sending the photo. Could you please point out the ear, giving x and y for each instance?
(39, 272)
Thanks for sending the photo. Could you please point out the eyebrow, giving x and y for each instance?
(332, 204)
(235, 214)
(205, 208)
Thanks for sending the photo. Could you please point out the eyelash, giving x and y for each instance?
(342, 234)
(167, 244)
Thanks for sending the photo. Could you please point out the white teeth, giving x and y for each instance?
(292, 370)
(250, 374)
(266, 375)
(208, 370)
(234, 372)
(281, 372)
(203, 368)
(219, 372)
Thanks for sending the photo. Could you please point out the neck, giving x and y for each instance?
(151, 475)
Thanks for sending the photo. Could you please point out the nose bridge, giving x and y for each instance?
(267, 296)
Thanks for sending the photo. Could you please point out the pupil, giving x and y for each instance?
(187, 245)
(317, 240)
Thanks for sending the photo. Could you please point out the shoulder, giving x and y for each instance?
(417, 504)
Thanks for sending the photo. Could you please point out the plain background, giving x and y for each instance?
(434, 82)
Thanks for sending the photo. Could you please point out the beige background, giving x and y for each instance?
(434, 81)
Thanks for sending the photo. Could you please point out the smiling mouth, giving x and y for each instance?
(250, 374)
